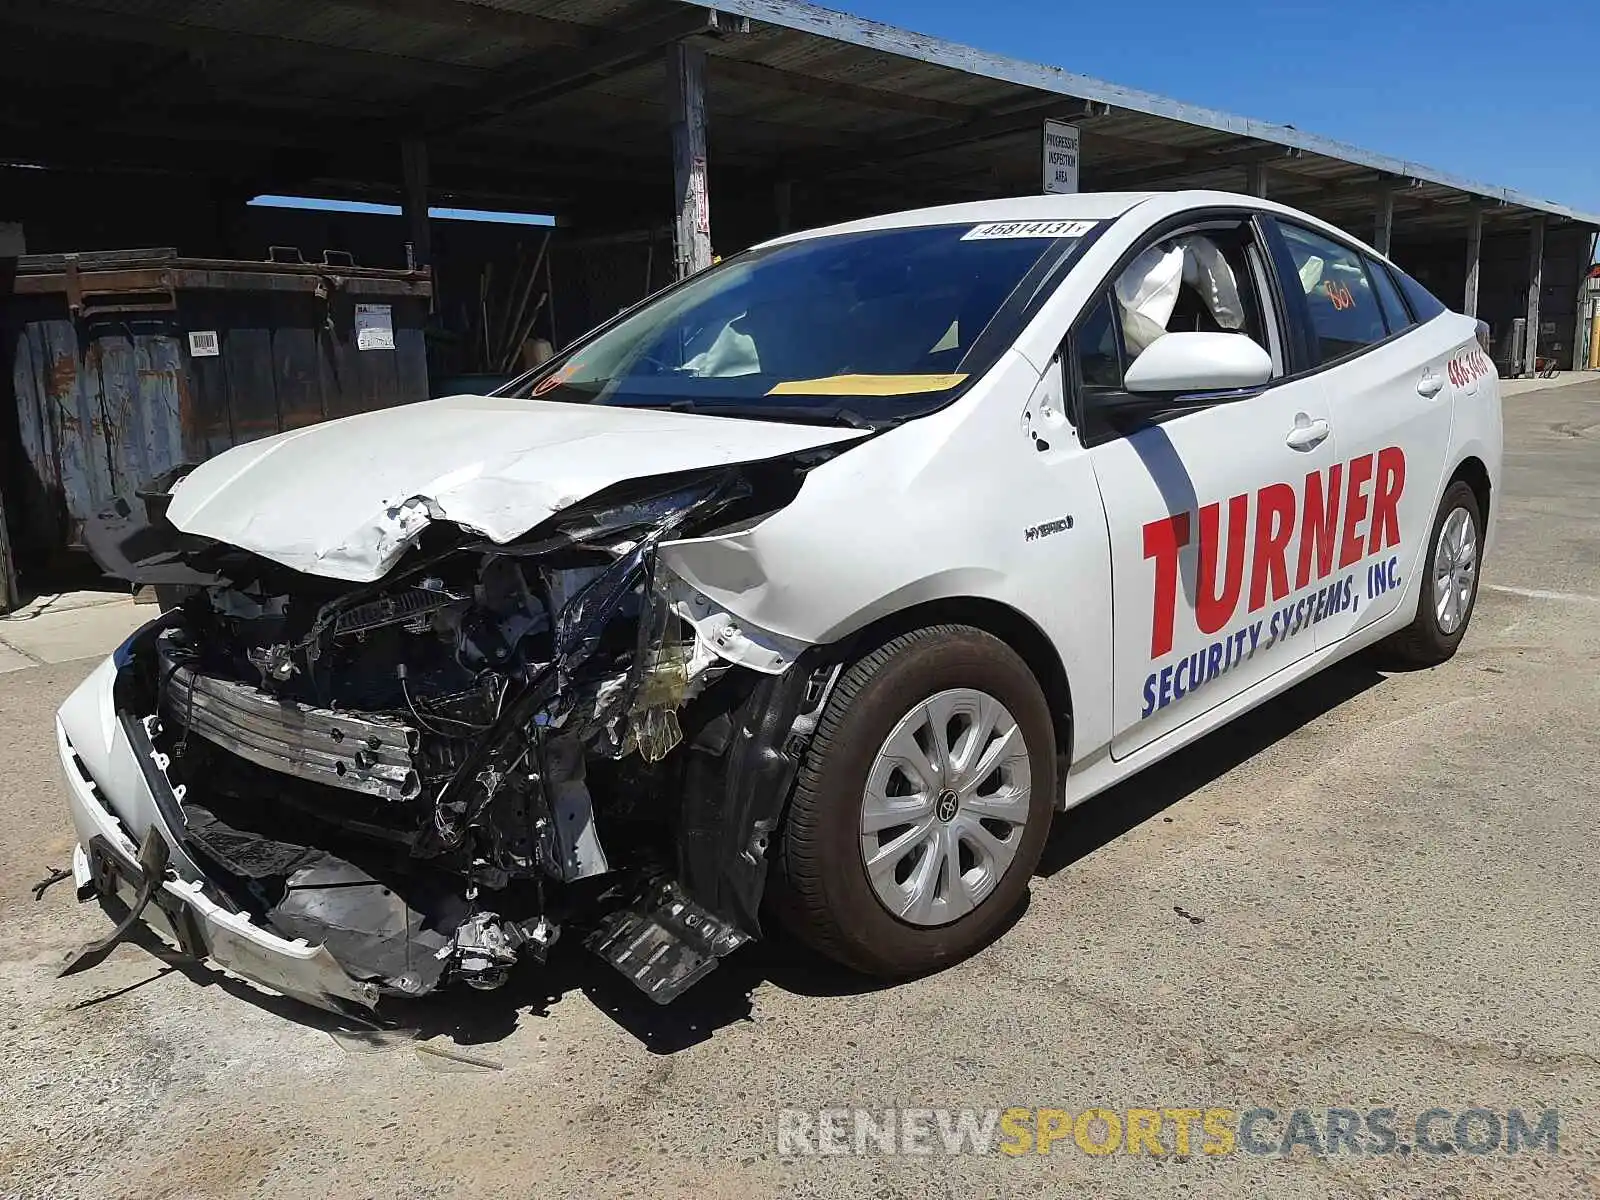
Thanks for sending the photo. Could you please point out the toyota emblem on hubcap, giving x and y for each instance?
(948, 805)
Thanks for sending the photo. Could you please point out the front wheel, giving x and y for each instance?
(1451, 587)
(923, 805)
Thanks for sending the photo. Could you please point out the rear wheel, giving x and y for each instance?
(1450, 589)
(923, 805)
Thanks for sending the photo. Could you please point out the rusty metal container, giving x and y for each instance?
(125, 364)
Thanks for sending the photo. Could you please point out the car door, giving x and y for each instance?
(1202, 501)
(1389, 393)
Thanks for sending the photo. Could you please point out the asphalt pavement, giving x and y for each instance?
(1377, 892)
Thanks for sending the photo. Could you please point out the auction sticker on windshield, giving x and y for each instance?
(994, 230)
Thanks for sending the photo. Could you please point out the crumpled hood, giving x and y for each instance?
(347, 498)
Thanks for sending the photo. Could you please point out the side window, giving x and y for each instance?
(1197, 281)
(1394, 308)
(1200, 280)
(1343, 306)
(1099, 355)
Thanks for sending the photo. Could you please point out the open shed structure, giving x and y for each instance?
(156, 120)
(657, 133)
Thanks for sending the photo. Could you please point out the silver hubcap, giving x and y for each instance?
(944, 807)
(1455, 568)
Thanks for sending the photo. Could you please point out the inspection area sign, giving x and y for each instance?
(1060, 157)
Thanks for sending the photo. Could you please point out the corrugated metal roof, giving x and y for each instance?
(857, 31)
(561, 104)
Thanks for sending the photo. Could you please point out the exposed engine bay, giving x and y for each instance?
(438, 774)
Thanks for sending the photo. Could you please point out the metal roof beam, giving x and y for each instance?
(817, 21)
(146, 152)
(758, 75)
(737, 140)
(86, 20)
(458, 15)
(222, 128)
(548, 76)
(231, 142)
(531, 29)
(1361, 196)
(1204, 162)
(879, 152)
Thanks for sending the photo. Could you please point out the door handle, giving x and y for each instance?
(1430, 385)
(1307, 435)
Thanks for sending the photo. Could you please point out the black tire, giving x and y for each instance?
(1423, 643)
(823, 894)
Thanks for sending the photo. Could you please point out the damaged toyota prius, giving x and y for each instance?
(805, 591)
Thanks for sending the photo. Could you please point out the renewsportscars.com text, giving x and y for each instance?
(1179, 1131)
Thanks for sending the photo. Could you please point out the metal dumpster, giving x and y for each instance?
(124, 364)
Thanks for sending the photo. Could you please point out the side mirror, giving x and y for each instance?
(1199, 362)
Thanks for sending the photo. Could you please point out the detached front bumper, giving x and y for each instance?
(111, 795)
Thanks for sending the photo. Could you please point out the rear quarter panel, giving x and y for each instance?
(1479, 423)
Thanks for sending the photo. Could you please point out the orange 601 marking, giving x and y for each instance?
(1340, 294)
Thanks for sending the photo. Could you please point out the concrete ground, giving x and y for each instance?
(65, 626)
(1379, 891)
(1521, 387)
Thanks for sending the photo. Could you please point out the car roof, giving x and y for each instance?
(1080, 206)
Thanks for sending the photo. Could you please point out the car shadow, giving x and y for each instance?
(721, 999)
(469, 1019)
(1080, 831)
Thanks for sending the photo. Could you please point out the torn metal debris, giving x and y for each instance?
(53, 877)
(431, 774)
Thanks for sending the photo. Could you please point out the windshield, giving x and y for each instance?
(876, 325)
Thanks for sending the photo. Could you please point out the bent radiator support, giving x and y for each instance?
(368, 754)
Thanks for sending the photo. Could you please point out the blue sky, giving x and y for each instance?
(1466, 86)
(393, 210)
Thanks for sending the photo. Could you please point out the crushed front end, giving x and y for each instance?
(379, 789)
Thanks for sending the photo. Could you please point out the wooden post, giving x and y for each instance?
(10, 591)
(414, 198)
(783, 202)
(12, 247)
(1535, 286)
(1255, 179)
(1385, 221)
(686, 88)
(1581, 334)
(1469, 303)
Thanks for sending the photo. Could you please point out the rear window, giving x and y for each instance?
(1394, 311)
(1424, 304)
(1340, 301)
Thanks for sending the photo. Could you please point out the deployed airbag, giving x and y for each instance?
(1147, 291)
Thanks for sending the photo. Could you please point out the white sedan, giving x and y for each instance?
(809, 589)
